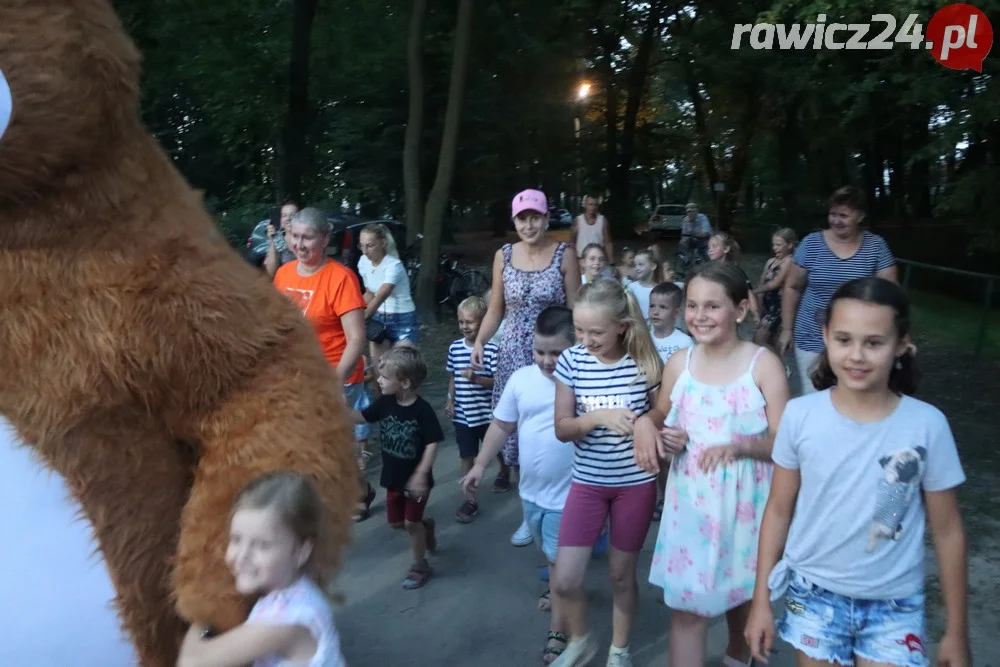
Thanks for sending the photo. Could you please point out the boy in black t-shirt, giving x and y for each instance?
(410, 433)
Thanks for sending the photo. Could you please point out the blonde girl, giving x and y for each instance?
(273, 530)
(772, 279)
(716, 415)
(602, 386)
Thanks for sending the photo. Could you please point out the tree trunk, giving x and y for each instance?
(621, 177)
(437, 200)
(294, 137)
(413, 194)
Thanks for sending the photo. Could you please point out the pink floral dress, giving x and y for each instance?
(706, 551)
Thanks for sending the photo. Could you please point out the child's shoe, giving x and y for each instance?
(467, 512)
(619, 657)
(579, 652)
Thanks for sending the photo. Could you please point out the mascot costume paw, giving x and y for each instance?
(141, 358)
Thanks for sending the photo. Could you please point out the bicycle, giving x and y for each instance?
(691, 252)
(454, 282)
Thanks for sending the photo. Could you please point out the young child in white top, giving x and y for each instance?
(528, 404)
(273, 529)
(470, 394)
(647, 270)
(594, 263)
(664, 309)
(860, 468)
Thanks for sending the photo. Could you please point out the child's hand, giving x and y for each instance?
(953, 651)
(759, 632)
(619, 420)
(470, 483)
(713, 457)
(417, 485)
(449, 409)
(468, 373)
(673, 441)
(646, 446)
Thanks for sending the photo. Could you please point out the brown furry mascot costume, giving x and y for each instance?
(139, 355)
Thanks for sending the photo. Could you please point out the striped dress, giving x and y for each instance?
(826, 273)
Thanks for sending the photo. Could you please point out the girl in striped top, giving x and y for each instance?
(602, 386)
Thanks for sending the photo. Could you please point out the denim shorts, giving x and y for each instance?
(358, 398)
(544, 526)
(826, 626)
(400, 326)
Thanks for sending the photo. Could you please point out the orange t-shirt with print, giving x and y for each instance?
(324, 297)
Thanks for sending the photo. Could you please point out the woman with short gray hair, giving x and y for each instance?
(329, 295)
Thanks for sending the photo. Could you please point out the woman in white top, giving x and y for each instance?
(387, 291)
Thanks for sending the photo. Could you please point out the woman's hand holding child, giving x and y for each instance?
(470, 483)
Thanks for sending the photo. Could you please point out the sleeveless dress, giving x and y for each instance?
(705, 558)
(526, 294)
(770, 302)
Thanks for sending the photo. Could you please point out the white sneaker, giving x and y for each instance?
(579, 652)
(619, 658)
(522, 536)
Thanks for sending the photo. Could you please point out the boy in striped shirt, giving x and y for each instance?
(470, 394)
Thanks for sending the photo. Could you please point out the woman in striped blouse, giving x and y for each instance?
(823, 262)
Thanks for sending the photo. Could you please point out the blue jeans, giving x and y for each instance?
(358, 398)
(826, 626)
(400, 326)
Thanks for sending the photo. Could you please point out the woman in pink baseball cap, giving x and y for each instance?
(536, 272)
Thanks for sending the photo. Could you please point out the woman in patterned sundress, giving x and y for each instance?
(719, 407)
(536, 272)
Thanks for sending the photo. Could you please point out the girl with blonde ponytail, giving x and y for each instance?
(602, 386)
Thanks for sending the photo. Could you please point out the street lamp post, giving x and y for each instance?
(581, 95)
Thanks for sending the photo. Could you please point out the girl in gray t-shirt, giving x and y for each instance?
(860, 468)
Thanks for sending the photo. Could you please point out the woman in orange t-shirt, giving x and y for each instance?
(330, 297)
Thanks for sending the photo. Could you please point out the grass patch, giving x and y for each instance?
(942, 320)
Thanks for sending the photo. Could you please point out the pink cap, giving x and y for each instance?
(529, 200)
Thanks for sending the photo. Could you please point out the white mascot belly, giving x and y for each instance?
(55, 592)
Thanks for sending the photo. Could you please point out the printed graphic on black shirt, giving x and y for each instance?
(400, 438)
(902, 472)
(404, 433)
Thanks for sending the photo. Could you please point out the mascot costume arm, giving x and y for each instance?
(142, 358)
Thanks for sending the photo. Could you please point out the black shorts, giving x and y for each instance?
(469, 438)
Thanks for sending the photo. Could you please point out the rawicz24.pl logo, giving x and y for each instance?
(959, 36)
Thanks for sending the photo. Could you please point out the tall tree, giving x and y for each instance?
(413, 193)
(437, 200)
(294, 142)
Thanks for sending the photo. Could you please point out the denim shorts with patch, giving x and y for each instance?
(826, 626)
(400, 326)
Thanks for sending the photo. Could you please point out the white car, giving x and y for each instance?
(667, 218)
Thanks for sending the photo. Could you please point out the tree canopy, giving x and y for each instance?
(265, 99)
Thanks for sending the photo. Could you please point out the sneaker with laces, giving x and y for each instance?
(619, 657)
(522, 536)
(467, 512)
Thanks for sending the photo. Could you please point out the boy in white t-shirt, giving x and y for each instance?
(664, 311)
(528, 404)
(646, 275)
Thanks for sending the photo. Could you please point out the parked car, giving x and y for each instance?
(560, 218)
(666, 219)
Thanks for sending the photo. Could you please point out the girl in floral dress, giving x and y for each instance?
(718, 409)
(536, 272)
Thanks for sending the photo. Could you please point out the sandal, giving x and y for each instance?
(430, 538)
(550, 653)
(502, 483)
(417, 576)
(545, 601)
(364, 512)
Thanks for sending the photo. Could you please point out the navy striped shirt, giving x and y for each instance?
(603, 457)
(825, 273)
(473, 403)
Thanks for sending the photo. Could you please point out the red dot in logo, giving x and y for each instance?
(960, 36)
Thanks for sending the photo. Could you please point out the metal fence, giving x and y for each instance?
(988, 293)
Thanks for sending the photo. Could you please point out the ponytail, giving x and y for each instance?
(382, 233)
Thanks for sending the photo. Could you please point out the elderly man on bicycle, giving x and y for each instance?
(695, 232)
